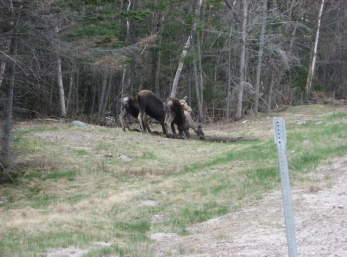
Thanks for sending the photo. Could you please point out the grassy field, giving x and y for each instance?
(106, 191)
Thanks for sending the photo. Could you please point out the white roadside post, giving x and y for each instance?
(280, 140)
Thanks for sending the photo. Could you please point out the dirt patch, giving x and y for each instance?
(259, 230)
(72, 251)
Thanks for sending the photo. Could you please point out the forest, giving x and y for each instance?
(74, 59)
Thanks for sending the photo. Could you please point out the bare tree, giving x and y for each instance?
(313, 55)
(4, 41)
(180, 67)
(103, 95)
(157, 55)
(197, 65)
(61, 88)
(228, 101)
(199, 77)
(71, 95)
(3, 63)
(107, 97)
(260, 56)
(242, 59)
(6, 128)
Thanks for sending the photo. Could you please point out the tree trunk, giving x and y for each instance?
(229, 80)
(132, 73)
(70, 98)
(260, 57)
(197, 88)
(270, 93)
(6, 127)
(242, 59)
(156, 66)
(200, 75)
(157, 29)
(94, 90)
(61, 88)
(107, 95)
(77, 100)
(157, 61)
(195, 64)
(179, 69)
(123, 84)
(114, 90)
(128, 39)
(2, 71)
(313, 56)
(3, 63)
(131, 39)
(118, 108)
(184, 53)
(102, 97)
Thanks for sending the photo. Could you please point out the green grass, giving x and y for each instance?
(337, 116)
(82, 152)
(39, 241)
(255, 152)
(135, 230)
(202, 213)
(61, 174)
(75, 190)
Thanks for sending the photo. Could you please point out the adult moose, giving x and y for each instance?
(154, 107)
(175, 115)
(197, 127)
(131, 107)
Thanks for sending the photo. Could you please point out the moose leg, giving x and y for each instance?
(145, 123)
(140, 118)
(122, 119)
(186, 131)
